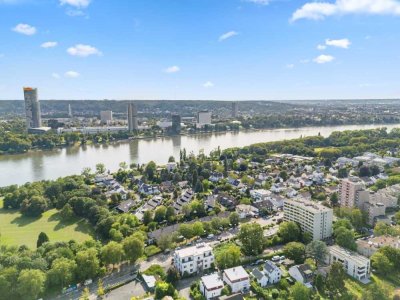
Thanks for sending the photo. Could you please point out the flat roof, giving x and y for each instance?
(342, 252)
(236, 273)
(193, 251)
(212, 281)
(309, 205)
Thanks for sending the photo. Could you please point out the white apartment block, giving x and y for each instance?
(211, 286)
(193, 259)
(311, 216)
(348, 191)
(237, 278)
(356, 265)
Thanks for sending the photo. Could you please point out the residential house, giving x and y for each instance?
(125, 206)
(171, 166)
(265, 205)
(227, 201)
(368, 246)
(237, 278)
(246, 211)
(260, 194)
(211, 286)
(270, 274)
(303, 274)
(210, 202)
(216, 176)
(185, 198)
(148, 189)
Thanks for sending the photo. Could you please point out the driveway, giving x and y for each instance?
(184, 286)
(164, 260)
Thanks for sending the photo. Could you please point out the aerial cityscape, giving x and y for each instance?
(204, 150)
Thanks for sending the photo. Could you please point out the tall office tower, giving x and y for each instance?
(69, 111)
(132, 117)
(32, 108)
(106, 116)
(235, 109)
(204, 117)
(176, 124)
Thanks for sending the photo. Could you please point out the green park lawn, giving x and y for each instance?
(16, 229)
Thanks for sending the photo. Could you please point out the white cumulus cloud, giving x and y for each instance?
(172, 69)
(83, 50)
(342, 43)
(323, 59)
(321, 10)
(76, 3)
(49, 45)
(72, 74)
(25, 29)
(55, 75)
(208, 84)
(321, 47)
(227, 35)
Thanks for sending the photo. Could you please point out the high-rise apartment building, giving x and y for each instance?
(32, 108)
(132, 117)
(348, 191)
(235, 109)
(311, 216)
(176, 124)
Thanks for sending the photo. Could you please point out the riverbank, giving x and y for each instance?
(162, 136)
(51, 164)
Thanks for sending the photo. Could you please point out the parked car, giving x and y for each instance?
(210, 236)
(87, 282)
(276, 258)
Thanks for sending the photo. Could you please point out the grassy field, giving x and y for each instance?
(16, 229)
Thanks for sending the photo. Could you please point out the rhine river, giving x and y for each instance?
(39, 165)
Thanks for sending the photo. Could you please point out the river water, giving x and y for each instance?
(39, 165)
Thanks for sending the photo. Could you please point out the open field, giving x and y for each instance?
(16, 229)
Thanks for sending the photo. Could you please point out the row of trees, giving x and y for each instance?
(73, 197)
(27, 274)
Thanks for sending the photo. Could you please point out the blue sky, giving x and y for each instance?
(200, 49)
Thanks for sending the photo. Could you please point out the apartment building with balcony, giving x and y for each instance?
(356, 265)
(193, 260)
(311, 216)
